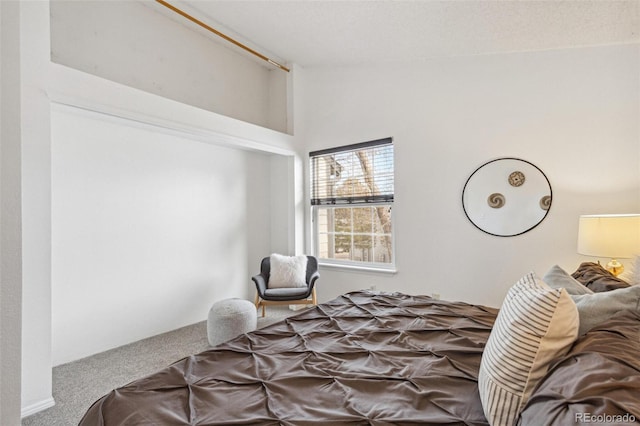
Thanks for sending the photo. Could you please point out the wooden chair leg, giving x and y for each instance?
(314, 298)
(258, 303)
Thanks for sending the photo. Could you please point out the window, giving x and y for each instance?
(351, 201)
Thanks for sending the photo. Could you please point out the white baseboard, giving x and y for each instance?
(298, 307)
(37, 407)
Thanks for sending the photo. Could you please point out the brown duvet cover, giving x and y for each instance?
(597, 382)
(362, 358)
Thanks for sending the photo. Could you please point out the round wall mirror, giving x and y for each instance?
(506, 197)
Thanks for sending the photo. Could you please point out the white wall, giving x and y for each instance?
(36, 208)
(149, 230)
(136, 43)
(43, 81)
(280, 200)
(573, 113)
(10, 215)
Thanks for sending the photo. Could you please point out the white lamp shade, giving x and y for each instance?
(614, 236)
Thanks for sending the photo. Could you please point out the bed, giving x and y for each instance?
(376, 358)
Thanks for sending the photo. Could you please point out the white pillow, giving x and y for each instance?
(535, 325)
(635, 267)
(631, 273)
(287, 271)
(557, 277)
(596, 308)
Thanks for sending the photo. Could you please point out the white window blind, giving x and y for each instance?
(355, 174)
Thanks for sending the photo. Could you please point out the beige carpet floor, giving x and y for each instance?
(78, 384)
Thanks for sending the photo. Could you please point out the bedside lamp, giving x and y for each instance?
(616, 236)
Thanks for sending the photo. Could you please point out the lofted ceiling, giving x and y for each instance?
(314, 33)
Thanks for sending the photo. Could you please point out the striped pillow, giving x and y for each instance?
(535, 325)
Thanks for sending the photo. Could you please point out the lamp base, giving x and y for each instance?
(615, 267)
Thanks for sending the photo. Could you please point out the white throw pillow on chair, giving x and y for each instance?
(287, 271)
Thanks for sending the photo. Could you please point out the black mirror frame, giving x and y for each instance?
(519, 233)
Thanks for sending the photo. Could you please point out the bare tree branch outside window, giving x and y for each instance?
(352, 195)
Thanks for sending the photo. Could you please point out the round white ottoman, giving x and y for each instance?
(229, 318)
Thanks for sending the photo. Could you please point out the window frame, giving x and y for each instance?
(315, 236)
(353, 264)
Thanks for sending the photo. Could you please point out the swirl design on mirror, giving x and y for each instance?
(545, 202)
(516, 179)
(496, 200)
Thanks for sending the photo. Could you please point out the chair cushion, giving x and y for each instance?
(287, 271)
(286, 293)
